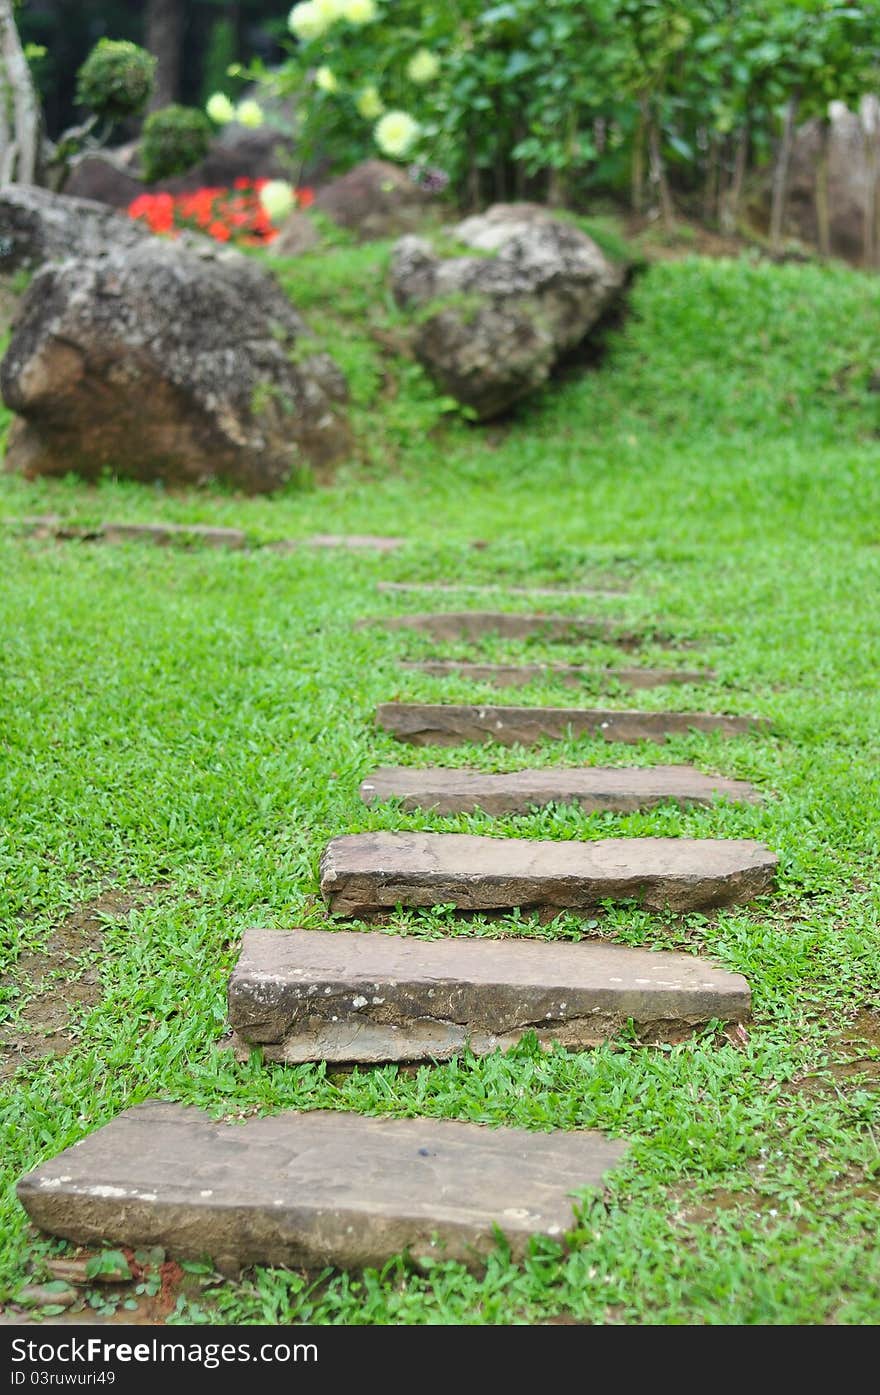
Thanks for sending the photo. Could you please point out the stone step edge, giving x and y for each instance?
(304, 1190)
(365, 997)
(54, 526)
(427, 724)
(621, 789)
(365, 874)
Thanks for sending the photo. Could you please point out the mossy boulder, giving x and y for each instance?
(493, 321)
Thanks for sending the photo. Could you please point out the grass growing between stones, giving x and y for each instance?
(187, 728)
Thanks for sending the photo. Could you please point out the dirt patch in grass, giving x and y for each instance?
(853, 1059)
(63, 979)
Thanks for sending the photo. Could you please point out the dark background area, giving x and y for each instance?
(196, 41)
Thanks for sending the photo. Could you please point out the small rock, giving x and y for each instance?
(375, 199)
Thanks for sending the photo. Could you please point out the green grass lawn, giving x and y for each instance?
(187, 728)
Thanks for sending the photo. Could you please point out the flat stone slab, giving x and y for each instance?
(572, 675)
(355, 541)
(312, 1189)
(174, 532)
(451, 724)
(449, 588)
(364, 873)
(506, 624)
(593, 788)
(312, 995)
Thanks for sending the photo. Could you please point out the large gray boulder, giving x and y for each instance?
(493, 322)
(157, 361)
(37, 226)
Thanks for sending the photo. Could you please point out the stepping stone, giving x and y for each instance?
(310, 995)
(174, 532)
(505, 624)
(355, 541)
(363, 873)
(591, 787)
(450, 724)
(52, 525)
(572, 675)
(450, 589)
(305, 1190)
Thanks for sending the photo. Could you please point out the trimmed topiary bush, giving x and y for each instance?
(116, 79)
(173, 140)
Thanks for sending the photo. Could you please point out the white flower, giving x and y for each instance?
(249, 113)
(325, 78)
(306, 21)
(277, 198)
(423, 66)
(396, 133)
(220, 109)
(329, 10)
(369, 103)
(360, 11)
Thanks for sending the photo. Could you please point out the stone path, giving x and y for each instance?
(451, 724)
(355, 542)
(174, 532)
(54, 526)
(507, 624)
(307, 1190)
(365, 873)
(593, 788)
(450, 588)
(571, 675)
(319, 1188)
(306, 995)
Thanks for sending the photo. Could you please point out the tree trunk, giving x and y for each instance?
(164, 38)
(21, 121)
(658, 177)
(780, 173)
(871, 128)
(730, 201)
(637, 173)
(823, 211)
(713, 176)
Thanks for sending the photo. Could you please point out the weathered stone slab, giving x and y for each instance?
(355, 541)
(362, 873)
(309, 995)
(572, 675)
(505, 624)
(449, 588)
(202, 533)
(450, 724)
(593, 788)
(311, 1189)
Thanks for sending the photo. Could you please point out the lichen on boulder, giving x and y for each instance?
(522, 289)
(156, 361)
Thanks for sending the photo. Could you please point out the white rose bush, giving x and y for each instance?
(509, 99)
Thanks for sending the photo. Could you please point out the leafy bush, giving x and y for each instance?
(523, 100)
(173, 140)
(116, 80)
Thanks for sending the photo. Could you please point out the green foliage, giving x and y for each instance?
(220, 55)
(565, 98)
(173, 140)
(196, 723)
(116, 80)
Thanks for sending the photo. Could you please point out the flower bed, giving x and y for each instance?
(236, 215)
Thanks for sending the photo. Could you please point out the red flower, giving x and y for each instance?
(224, 214)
